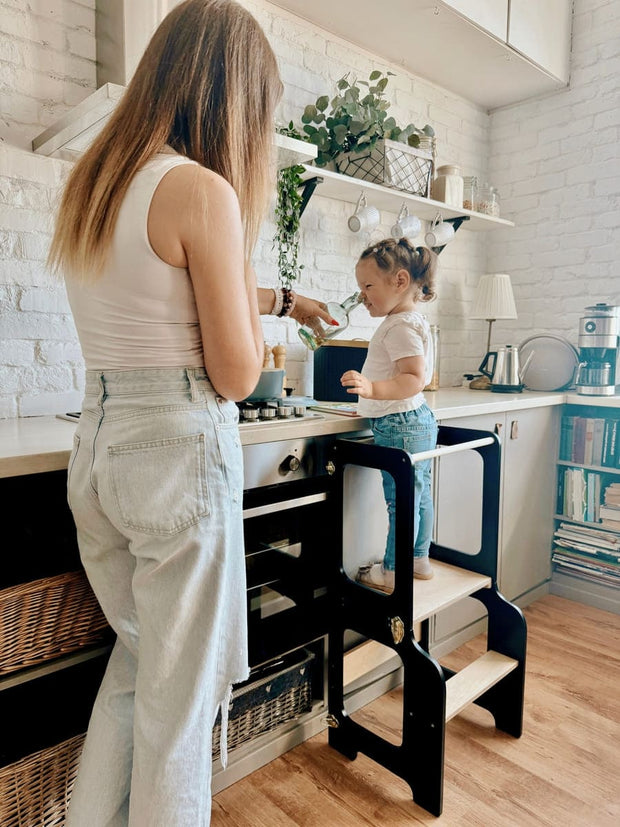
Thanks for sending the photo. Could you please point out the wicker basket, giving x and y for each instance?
(35, 791)
(261, 705)
(392, 164)
(47, 618)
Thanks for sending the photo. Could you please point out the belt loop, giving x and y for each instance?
(102, 393)
(193, 385)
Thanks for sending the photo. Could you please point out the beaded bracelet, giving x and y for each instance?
(276, 310)
(288, 302)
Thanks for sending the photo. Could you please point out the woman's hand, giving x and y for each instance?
(306, 308)
(354, 382)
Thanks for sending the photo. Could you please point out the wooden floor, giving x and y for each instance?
(563, 772)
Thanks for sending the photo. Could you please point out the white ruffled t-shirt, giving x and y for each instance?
(398, 336)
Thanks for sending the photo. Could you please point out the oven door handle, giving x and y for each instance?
(270, 508)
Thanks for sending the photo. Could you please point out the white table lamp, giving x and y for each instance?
(494, 300)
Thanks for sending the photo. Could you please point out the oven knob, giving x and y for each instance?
(330, 468)
(291, 463)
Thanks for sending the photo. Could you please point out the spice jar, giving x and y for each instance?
(470, 192)
(488, 200)
(448, 186)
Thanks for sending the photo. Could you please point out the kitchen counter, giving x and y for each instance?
(31, 445)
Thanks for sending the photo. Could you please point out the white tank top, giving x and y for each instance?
(141, 312)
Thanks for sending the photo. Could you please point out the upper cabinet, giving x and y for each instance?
(541, 31)
(492, 52)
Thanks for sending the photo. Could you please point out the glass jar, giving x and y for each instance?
(488, 200)
(470, 192)
(448, 186)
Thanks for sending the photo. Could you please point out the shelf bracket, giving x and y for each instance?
(309, 186)
(456, 223)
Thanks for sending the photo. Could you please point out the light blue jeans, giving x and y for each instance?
(413, 431)
(155, 487)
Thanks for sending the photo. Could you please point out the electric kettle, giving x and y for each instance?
(505, 373)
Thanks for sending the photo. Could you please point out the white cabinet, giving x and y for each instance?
(461, 45)
(489, 15)
(541, 31)
(527, 500)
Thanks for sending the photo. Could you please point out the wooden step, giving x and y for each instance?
(449, 585)
(369, 657)
(474, 679)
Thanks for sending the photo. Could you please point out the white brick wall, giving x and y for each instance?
(552, 159)
(556, 162)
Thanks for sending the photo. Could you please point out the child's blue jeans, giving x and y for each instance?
(413, 431)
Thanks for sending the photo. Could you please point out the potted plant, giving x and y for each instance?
(354, 133)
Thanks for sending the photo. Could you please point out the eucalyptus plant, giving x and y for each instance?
(356, 119)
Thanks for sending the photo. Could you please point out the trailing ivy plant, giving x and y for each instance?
(288, 214)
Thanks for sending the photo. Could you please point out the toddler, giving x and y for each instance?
(393, 276)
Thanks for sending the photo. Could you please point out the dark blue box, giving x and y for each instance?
(331, 360)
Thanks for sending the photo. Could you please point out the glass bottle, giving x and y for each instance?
(316, 332)
(470, 192)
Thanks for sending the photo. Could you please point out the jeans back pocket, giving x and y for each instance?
(160, 486)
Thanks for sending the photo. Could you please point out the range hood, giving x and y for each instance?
(123, 29)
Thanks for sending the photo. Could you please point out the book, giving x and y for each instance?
(597, 442)
(609, 453)
(579, 439)
(588, 441)
(609, 512)
(343, 408)
(566, 437)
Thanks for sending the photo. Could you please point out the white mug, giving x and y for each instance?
(407, 227)
(439, 234)
(366, 218)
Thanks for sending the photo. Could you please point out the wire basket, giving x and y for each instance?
(391, 164)
(37, 789)
(47, 618)
(259, 706)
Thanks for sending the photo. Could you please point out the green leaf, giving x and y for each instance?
(414, 140)
(322, 103)
(428, 130)
(375, 74)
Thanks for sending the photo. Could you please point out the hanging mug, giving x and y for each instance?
(440, 233)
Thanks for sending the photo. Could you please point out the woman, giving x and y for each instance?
(154, 236)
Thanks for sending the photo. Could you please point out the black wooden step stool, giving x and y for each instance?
(431, 693)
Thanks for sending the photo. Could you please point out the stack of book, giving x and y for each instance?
(590, 441)
(592, 553)
(609, 511)
(579, 494)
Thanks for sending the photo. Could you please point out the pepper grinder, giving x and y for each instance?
(279, 362)
(266, 356)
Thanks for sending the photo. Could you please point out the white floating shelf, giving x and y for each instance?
(346, 188)
(292, 151)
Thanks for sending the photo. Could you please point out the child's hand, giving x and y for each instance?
(354, 382)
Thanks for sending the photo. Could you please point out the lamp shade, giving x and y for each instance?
(494, 298)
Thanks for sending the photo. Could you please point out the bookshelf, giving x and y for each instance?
(586, 542)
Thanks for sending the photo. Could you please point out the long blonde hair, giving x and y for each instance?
(207, 85)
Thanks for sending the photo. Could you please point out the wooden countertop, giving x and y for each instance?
(30, 445)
